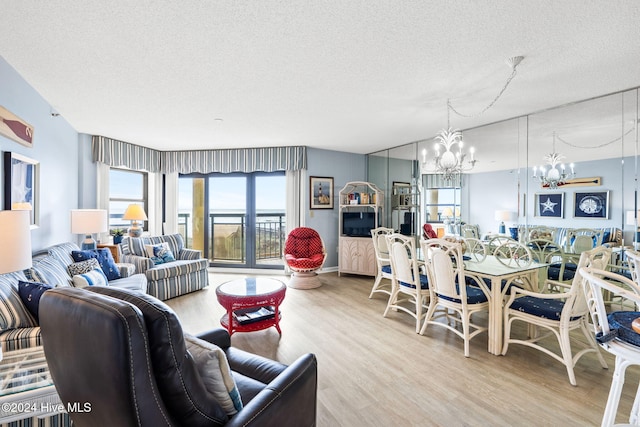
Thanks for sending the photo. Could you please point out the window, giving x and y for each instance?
(126, 187)
(442, 204)
(236, 220)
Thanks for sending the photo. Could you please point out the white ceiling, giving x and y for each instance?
(352, 75)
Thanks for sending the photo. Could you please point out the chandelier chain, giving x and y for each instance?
(491, 104)
(604, 144)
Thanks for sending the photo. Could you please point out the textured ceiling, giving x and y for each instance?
(355, 76)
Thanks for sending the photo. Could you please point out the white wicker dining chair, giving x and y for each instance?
(409, 287)
(382, 283)
(557, 314)
(445, 269)
(614, 333)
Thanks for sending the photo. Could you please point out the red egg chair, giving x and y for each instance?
(304, 255)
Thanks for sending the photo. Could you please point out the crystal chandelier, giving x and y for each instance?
(452, 162)
(553, 177)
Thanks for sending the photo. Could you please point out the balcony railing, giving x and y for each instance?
(227, 242)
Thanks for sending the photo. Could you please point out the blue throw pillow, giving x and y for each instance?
(104, 257)
(30, 293)
(164, 253)
(161, 253)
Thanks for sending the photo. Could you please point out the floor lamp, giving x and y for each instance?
(87, 222)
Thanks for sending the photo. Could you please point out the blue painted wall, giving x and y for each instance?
(55, 146)
(343, 167)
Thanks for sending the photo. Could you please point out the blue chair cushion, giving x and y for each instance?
(545, 308)
(569, 272)
(424, 283)
(621, 322)
(386, 269)
(474, 295)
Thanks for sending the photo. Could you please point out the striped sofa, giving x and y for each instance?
(188, 273)
(18, 329)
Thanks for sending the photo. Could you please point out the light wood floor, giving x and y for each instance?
(376, 371)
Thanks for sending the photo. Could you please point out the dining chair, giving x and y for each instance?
(513, 254)
(633, 264)
(406, 278)
(383, 272)
(496, 241)
(615, 333)
(579, 240)
(475, 249)
(557, 313)
(550, 253)
(445, 269)
(469, 231)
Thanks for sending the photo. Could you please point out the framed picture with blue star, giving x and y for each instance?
(591, 204)
(549, 205)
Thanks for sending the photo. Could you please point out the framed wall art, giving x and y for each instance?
(21, 192)
(591, 204)
(16, 129)
(549, 205)
(321, 192)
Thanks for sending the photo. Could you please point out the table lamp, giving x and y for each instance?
(502, 216)
(135, 213)
(15, 229)
(87, 222)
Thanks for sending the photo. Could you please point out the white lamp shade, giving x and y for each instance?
(89, 221)
(134, 213)
(15, 252)
(502, 215)
(447, 212)
(631, 217)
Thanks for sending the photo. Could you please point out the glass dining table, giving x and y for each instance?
(499, 277)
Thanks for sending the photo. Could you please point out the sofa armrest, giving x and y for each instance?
(142, 263)
(290, 399)
(186, 254)
(126, 269)
(218, 336)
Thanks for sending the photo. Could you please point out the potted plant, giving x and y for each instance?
(117, 234)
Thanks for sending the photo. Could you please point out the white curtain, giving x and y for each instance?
(295, 196)
(171, 203)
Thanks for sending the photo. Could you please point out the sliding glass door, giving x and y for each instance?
(244, 223)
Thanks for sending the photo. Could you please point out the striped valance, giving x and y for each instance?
(267, 159)
(438, 181)
(118, 153)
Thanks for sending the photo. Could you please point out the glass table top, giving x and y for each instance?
(22, 370)
(491, 266)
(251, 286)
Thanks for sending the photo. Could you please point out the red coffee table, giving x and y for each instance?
(252, 304)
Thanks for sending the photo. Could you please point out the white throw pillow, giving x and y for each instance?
(94, 277)
(215, 372)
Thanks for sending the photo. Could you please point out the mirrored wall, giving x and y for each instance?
(597, 144)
